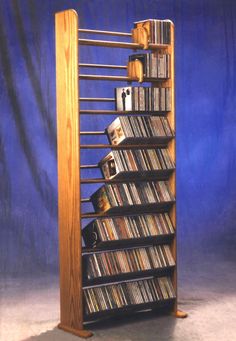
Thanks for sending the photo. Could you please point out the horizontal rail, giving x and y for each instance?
(103, 66)
(110, 33)
(105, 43)
(85, 200)
(105, 78)
(96, 99)
(92, 133)
(116, 112)
(119, 78)
(88, 166)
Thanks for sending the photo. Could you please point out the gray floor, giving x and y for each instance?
(29, 309)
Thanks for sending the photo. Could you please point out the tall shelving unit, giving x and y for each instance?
(69, 180)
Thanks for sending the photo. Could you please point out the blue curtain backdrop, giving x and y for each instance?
(206, 121)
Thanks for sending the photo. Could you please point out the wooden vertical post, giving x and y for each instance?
(68, 144)
(172, 150)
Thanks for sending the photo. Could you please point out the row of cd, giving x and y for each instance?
(158, 30)
(139, 98)
(155, 65)
(110, 263)
(115, 296)
(127, 227)
(129, 194)
(139, 160)
(127, 127)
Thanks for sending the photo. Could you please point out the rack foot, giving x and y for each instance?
(180, 314)
(78, 332)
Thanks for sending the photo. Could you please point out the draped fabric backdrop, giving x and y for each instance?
(206, 121)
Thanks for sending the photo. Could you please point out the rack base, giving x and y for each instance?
(78, 332)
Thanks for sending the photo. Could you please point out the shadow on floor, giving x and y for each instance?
(139, 327)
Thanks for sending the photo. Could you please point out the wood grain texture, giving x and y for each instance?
(67, 94)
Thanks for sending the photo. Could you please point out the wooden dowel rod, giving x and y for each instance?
(85, 200)
(105, 78)
(92, 133)
(110, 33)
(103, 66)
(88, 166)
(118, 44)
(119, 78)
(106, 43)
(125, 146)
(96, 99)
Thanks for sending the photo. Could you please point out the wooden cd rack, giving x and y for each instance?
(70, 214)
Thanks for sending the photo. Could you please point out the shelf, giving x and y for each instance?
(132, 176)
(117, 44)
(168, 303)
(117, 211)
(122, 113)
(159, 143)
(125, 243)
(128, 275)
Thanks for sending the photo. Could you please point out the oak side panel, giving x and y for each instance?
(172, 151)
(67, 95)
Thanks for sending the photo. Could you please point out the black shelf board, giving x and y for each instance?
(155, 207)
(128, 276)
(125, 243)
(129, 309)
(123, 113)
(136, 176)
(153, 140)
